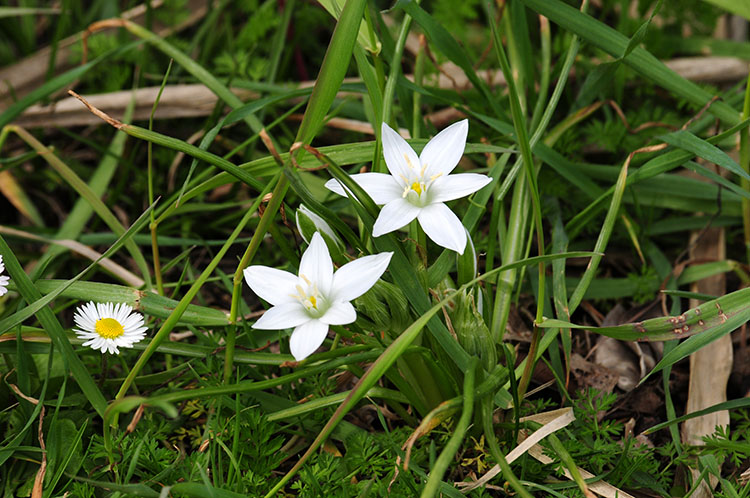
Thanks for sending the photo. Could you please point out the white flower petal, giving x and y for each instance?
(442, 153)
(443, 227)
(400, 158)
(316, 264)
(393, 216)
(358, 276)
(340, 313)
(283, 316)
(275, 286)
(307, 338)
(448, 188)
(380, 187)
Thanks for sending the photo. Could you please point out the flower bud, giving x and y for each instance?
(308, 223)
(473, 333)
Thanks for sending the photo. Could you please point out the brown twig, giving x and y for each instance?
(101, 114)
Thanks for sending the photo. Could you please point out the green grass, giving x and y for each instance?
(452, 360)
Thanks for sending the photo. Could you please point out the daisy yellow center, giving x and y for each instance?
(109, 328)
(416, 187)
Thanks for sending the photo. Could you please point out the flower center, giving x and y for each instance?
(416, 187)
(310, 298)
(109, 328)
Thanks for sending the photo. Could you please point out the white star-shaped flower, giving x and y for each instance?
(4, 279)
(108, 326)
(317, 297)
(418, 187)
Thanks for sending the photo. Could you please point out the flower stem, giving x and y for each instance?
(282, 184)
(745, 164)
(182, 305)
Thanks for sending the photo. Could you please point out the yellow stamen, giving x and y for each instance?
(109, 328)
(314, 302)
(301, 291)
(307, 281)
(416, 187)
(408, 162)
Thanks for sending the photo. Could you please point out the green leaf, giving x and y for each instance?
(48, 320)
(642, 61)
(366, 37)
(448, 45)
(39, 303)
(701, 148)
(739, 8)
(57, 83)
(148, 302)
(333, 69)
(25, 11)
(701, 325)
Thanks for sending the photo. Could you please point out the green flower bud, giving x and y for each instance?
(308, 223)
(471, 330)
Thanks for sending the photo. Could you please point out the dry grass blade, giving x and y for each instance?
(118, 271)
(38, 489)
(29, 73)
(711, 366)
(602, 488)
(195, 100)
(553, 421)
(12, 191)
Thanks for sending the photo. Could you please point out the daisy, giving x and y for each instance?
(3, 279)
(108, 326)
(419, 186)
(316, 298)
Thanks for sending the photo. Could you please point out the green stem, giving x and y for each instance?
(416, 123)
(519, 124)
(454, 443)
(281, 185)
(182, 305)
(150, 171)
(390, 84)
(497, 454)
(745, 164)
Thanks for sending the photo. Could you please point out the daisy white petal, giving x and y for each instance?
(340, 313)
(448, 188)
(4, 285)
(400, 158)
(283, 316)
(107, 327)
(275, 286)
(307, 338)
(443, 227)
(442, 153)
(394, 215)
(356, 277)
(380, 187)
(316, 265)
